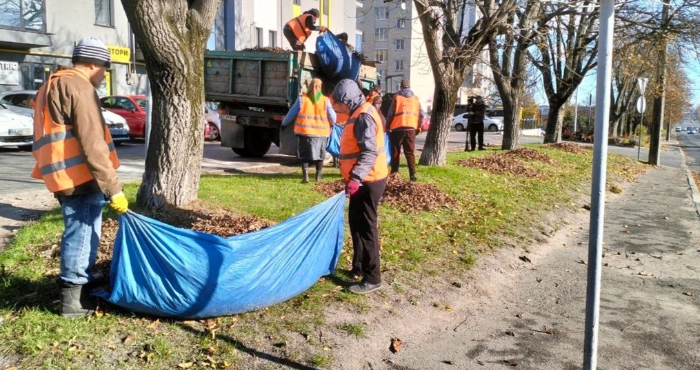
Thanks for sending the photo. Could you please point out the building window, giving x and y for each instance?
(259, 36)
(380, 34)
(103, 13)
(326, 6)
(399, 44)
(358, 42)
(296, 2)
(381, 13)
(360, 17)
(401, 23)
(23, 14)
(399, 65)
(273, 39)
(380, 55)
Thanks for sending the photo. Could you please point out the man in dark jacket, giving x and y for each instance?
(476, 123)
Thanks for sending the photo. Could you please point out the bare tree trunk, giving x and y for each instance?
(555, 121)
(172, 35)
(443, 111)
(511, 132)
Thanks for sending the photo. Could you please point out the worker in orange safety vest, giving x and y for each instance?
(76, 159)
(298, 30)
(404, 123)
(313, 117)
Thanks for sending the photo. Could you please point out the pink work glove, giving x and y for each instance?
(352, 187)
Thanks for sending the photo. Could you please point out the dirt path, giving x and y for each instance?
(18, 208)
(511, 312)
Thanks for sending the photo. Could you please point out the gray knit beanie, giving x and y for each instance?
(92, 50)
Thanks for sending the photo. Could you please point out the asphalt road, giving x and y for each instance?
(16, 165)
(691, 146)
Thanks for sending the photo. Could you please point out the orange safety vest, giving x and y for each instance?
(341, 117)
(298, 27)
(59, 160)
(350, 150)
(406, 112)
(312, 119)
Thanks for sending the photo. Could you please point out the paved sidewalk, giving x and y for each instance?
(532, 314)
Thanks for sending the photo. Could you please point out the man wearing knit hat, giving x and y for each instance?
(76, 159)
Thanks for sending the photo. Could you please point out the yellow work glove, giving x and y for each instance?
(119, 203)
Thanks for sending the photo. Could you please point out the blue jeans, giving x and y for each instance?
(82, 218)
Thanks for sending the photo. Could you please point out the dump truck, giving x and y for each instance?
(256, 89)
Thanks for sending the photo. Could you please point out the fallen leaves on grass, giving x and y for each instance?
(531, 155)
(571, 148)
(407, 196)
(689, 294)
(395, 346)
(525, 259)
(128, 338)
(501, 164)
(196, 217)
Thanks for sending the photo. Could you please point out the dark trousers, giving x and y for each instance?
(362, 217)
(476, 129)
(407, 139)
(291, 37)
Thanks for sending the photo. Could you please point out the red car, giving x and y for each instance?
(132, 108)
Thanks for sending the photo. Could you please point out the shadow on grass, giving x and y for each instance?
(17, 293)
(251, 351)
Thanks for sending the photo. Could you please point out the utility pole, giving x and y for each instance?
(576, 115)
(660, 101)
(590, 107)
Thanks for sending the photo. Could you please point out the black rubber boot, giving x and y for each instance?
(319, 169)
(76, 301)
(305, 173)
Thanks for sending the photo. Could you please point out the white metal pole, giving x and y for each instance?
(600, 153)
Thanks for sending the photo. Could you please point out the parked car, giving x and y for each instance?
(18, 102)
(132, 108)
(691, 130)
(678, 129)
(15, 129)
(459, 123)
(211, 115)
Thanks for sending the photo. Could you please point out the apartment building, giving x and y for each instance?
(242, 24)
(36, 36)
(392, 35)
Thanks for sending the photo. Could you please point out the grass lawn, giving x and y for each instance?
(492, 211)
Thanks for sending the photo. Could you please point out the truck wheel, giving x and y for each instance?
(257, 142)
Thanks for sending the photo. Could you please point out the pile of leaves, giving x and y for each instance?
(407, 196)
(267, 49)
(570, 147)
(531, 155)
(500, 164)
(218, 222)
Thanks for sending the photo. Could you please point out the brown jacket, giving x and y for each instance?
(74, 100)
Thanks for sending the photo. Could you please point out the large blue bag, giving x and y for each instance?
(165, 271)
(336, 59)
(333, 146)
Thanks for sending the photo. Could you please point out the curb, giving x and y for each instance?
(693, 186)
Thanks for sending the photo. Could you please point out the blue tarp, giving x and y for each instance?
(336, 59)
(165, 271)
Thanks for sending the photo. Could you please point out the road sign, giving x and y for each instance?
(642, 84)
(641, 104)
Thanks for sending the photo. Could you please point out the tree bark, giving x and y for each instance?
(660, 101)
(443, 109)
(172, 36)
(554, 122)
(511, 132)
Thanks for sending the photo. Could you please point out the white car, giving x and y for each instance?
(15, 129)
(459, 123)
(18, 102)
